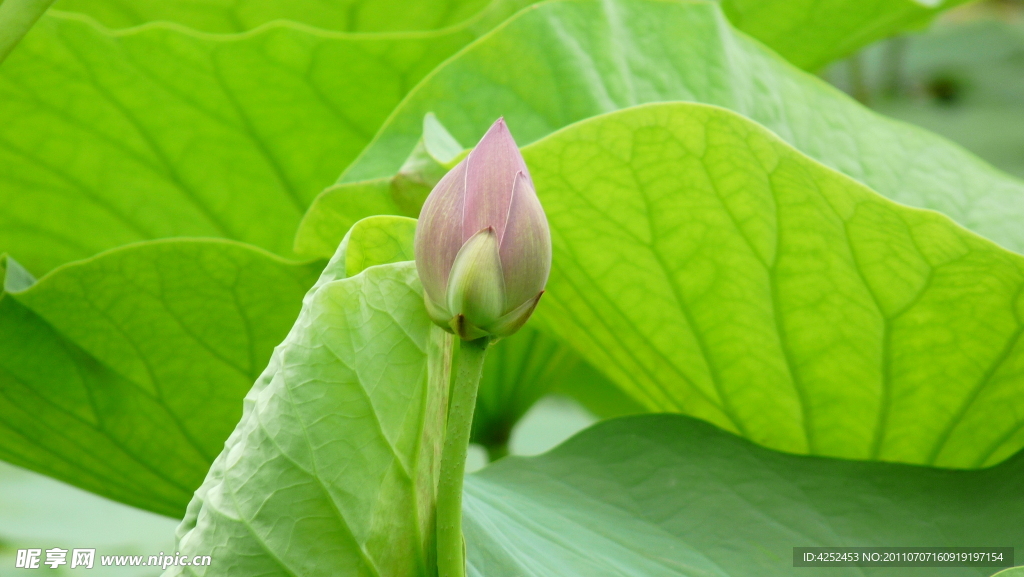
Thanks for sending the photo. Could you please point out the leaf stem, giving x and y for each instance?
(451, 560)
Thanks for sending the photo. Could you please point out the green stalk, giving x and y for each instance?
(451, 561)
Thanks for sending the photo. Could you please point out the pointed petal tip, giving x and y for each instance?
(499, 129)
(514, 320)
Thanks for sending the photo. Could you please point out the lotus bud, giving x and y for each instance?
(483, 248)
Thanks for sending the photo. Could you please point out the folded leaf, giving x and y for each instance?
(711, 269)
(563, 62)
(333, 467)
(664, 495)
(122, 374)
(111, 138)
(374, 241)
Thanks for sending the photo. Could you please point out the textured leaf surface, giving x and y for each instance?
(111, 138)
(812, 33)
(122, 374)
(809, 33)
(709, 268)
(566, 61)
(333, 467)
(378, 240)
(340, 15)
(664, 495)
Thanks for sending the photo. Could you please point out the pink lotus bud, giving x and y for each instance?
(483, 248)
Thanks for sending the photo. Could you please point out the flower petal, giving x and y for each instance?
(513, 321)
(525, 248)
(439, 233)
(475, 287)
(491, 170)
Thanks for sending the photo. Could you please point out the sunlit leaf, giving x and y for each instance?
(711, 269)
(340, 15)
(809, 33)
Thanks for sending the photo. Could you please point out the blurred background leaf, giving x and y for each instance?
(962, 78)
(812, 33)
(41, 513)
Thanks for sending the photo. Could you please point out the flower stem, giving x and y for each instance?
(451, 560)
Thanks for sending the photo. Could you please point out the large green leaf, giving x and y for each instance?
(711, 269)
(122, 374)
(809, 33)
(664, 495)
(110, 138)
(567, 61)
(812, 33)
(340, 15)
(332, 469)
